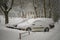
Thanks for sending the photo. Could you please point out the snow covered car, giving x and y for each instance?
(14, 21)
(35, 25)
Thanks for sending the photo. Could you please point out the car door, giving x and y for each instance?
(37, 23)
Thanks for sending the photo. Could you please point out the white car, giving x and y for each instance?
(37, 24)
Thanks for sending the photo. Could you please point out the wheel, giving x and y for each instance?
(28, 29)
(46, 29)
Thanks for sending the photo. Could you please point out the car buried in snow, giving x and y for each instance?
(37, 24)
(34, 24)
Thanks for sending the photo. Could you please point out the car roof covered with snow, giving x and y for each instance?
(30, 21)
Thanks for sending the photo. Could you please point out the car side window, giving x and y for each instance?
(37, 22)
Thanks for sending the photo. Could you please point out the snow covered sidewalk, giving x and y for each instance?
(11, 34)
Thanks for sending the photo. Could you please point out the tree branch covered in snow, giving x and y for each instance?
(5, 8)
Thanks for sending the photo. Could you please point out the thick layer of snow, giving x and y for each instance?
(54, 34)
(15, 20)
(12, 20)
(10, 34)
(41, 21)
(13, 34)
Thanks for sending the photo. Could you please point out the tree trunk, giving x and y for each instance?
(35, 11)
(49, 9)
(49, 14)
(44, 9)
(6, 17)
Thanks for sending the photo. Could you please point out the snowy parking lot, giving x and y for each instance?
(53, 34)
(13, 34)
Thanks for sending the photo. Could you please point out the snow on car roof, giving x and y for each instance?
(47, 20)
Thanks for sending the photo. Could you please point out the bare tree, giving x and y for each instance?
(44, 8)
(21, 6)
(35, 6)
(5, 8)
(50, 7)
(55, 10)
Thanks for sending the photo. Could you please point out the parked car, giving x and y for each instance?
(35, 25)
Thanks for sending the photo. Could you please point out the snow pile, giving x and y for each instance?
(13, 34)
(30, 21)
(12, 20)
(47, 20)
(15, 20)
(9, 34)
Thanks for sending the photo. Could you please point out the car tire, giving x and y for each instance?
(28, 29)
(46, 29)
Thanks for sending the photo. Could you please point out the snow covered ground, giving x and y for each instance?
(13, 34)
(54, 34)
(12, 20)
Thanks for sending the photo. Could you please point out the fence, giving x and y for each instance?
(20, 34)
